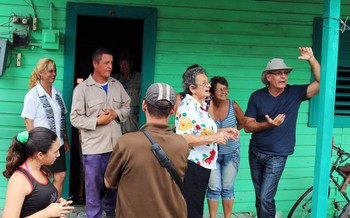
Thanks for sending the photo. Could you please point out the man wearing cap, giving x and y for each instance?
(145, 188)
(271, 117)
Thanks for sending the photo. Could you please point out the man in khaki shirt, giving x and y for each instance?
(99, 104)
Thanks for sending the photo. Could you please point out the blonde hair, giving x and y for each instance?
(42, 65)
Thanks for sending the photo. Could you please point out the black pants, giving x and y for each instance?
(194, 188)
(60, 164)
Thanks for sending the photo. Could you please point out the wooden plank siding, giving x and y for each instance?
(234, 39)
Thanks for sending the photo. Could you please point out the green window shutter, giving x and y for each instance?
(342, 99)
(342, 96)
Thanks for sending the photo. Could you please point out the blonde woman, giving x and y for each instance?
(44, 106)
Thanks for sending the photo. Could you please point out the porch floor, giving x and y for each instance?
(79, 212)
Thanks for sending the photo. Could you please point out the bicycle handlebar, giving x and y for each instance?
(341, 152)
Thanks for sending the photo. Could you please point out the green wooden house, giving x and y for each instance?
(231, 38)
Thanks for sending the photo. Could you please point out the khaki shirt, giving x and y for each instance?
(89, 99)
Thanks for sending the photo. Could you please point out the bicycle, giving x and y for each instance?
(302, 207)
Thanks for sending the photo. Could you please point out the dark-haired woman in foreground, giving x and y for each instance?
(29, 191)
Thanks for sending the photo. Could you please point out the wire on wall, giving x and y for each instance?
(31, 4)
(344, 26)
(35, 18)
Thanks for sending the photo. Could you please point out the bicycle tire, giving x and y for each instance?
(345, 212)
(302, 207)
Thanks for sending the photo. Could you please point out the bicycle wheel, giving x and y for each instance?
(302, 207)
(345, 212)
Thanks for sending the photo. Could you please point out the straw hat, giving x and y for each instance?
(274, 64)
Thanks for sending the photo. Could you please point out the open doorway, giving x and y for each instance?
(115, 34)
(88, 27)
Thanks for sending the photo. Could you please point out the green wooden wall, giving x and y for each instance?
(231, 38)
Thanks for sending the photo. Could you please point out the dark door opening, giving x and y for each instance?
(115, 34)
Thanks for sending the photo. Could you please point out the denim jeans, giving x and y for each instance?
(222, 179)
(266, 171)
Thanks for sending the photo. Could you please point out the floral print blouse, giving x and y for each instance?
(192, 118)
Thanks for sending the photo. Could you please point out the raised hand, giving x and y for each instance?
(306, 53)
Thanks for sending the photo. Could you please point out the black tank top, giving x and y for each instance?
(41, 196)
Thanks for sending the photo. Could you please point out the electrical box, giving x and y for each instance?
(50, 39)
(20, 40)
(4, 47)
(20, 31)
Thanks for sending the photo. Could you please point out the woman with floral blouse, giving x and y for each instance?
(199, 129)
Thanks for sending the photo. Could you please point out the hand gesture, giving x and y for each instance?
(65, 202)
(277, 121)
(221, 138)
(66, 146)
(305, 53)
(225, 134)
(233, 133)
(107, 116)
(59, 209)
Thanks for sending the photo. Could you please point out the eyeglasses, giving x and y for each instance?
(204, 84)
(221, 90)
(280, 73)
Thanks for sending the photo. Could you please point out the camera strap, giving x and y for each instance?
(163, 159)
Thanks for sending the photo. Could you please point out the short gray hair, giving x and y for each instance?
(189, 78)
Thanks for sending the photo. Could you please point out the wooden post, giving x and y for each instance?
(329, 60)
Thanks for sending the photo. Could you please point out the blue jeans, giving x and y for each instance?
(222, 179)
(98, 198)
(266, 171)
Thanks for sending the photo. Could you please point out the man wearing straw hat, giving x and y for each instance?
(271, 117)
